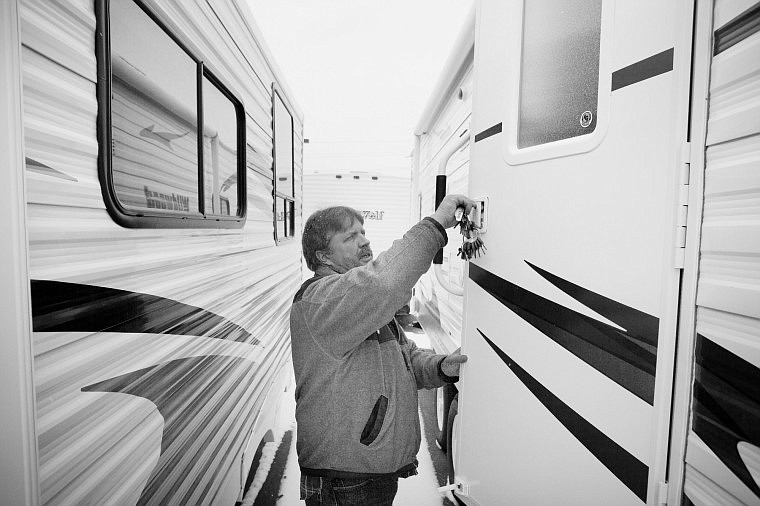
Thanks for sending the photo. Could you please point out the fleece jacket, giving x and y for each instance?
(356, 373)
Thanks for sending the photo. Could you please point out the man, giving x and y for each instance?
(357, 374)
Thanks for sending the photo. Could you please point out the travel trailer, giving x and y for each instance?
(441, 154)
(613, 324)
(382, 199)
(152, 200)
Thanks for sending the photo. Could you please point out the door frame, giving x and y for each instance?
(686, 337)
(19, 466)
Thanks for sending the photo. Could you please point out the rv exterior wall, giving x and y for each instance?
(18, 468)
(441, 310)
(205, 310)
(721, 465)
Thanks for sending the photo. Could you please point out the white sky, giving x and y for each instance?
(361, 72)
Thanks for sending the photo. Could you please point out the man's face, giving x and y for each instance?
(348, 249)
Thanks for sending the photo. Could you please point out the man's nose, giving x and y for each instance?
(364, 241)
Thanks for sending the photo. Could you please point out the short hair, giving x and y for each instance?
(321, 226)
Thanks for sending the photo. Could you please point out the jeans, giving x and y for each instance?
(318, 491)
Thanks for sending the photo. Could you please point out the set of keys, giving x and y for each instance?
(472, 244)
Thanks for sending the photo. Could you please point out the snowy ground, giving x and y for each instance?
(277, 478)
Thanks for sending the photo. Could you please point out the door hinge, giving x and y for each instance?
(661, 493)
(679, 256)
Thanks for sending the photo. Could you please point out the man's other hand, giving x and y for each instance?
(446, 210)
(450, 364)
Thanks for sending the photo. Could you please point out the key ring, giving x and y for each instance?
(472, 244)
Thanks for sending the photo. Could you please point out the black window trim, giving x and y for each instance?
(144, 218)
(288, 208)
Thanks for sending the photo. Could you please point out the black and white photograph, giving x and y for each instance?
(380, 252)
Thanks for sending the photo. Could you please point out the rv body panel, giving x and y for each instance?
(159, 353)
(446, 122)
(19, 478)
(570, 315)
(716, 446)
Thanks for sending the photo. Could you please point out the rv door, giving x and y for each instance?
(580, 120)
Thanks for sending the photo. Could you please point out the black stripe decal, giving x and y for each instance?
(625, 356)
(642, 70)
(640, 325)
(742, 26)
(727, 405)
(628, 469)
(488, 132)
(58, 306)
(189, 400)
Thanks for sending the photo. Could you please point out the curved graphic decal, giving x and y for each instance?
(40, 168)
(191, 398)
(727, 407)
(627, 468)
(628, 357)
(58, 306)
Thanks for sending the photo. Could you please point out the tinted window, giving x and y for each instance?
(560, 70)
(283, 148)
(171, 157)
(154, 123)
(220, 160)
(284, 167)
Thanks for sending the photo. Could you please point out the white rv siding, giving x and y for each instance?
(441, 311)
(18, 467)
(382, 199)
(722, 460)
(115, 419)
(443, 306)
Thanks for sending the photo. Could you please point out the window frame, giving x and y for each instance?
(513, 43)
(288, 200)
(149, 218)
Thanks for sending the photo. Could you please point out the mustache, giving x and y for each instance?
(365, 251)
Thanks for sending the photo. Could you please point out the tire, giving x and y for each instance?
(444, 396)
(452, 415)
(453, 410)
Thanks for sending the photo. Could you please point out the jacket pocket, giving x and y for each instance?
(375, 422)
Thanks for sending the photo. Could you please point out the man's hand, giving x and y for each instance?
(450, 364)
(445, 212)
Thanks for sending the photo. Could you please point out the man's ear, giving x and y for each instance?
(323, 258)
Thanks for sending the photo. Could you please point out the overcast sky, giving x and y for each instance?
(361, 72)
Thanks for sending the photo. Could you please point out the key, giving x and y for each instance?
(472, 244)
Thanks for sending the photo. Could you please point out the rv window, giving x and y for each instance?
(155, 171)
(220, 160)
(283, 147)
(560, 70)
(284, 221)
(283, 168)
